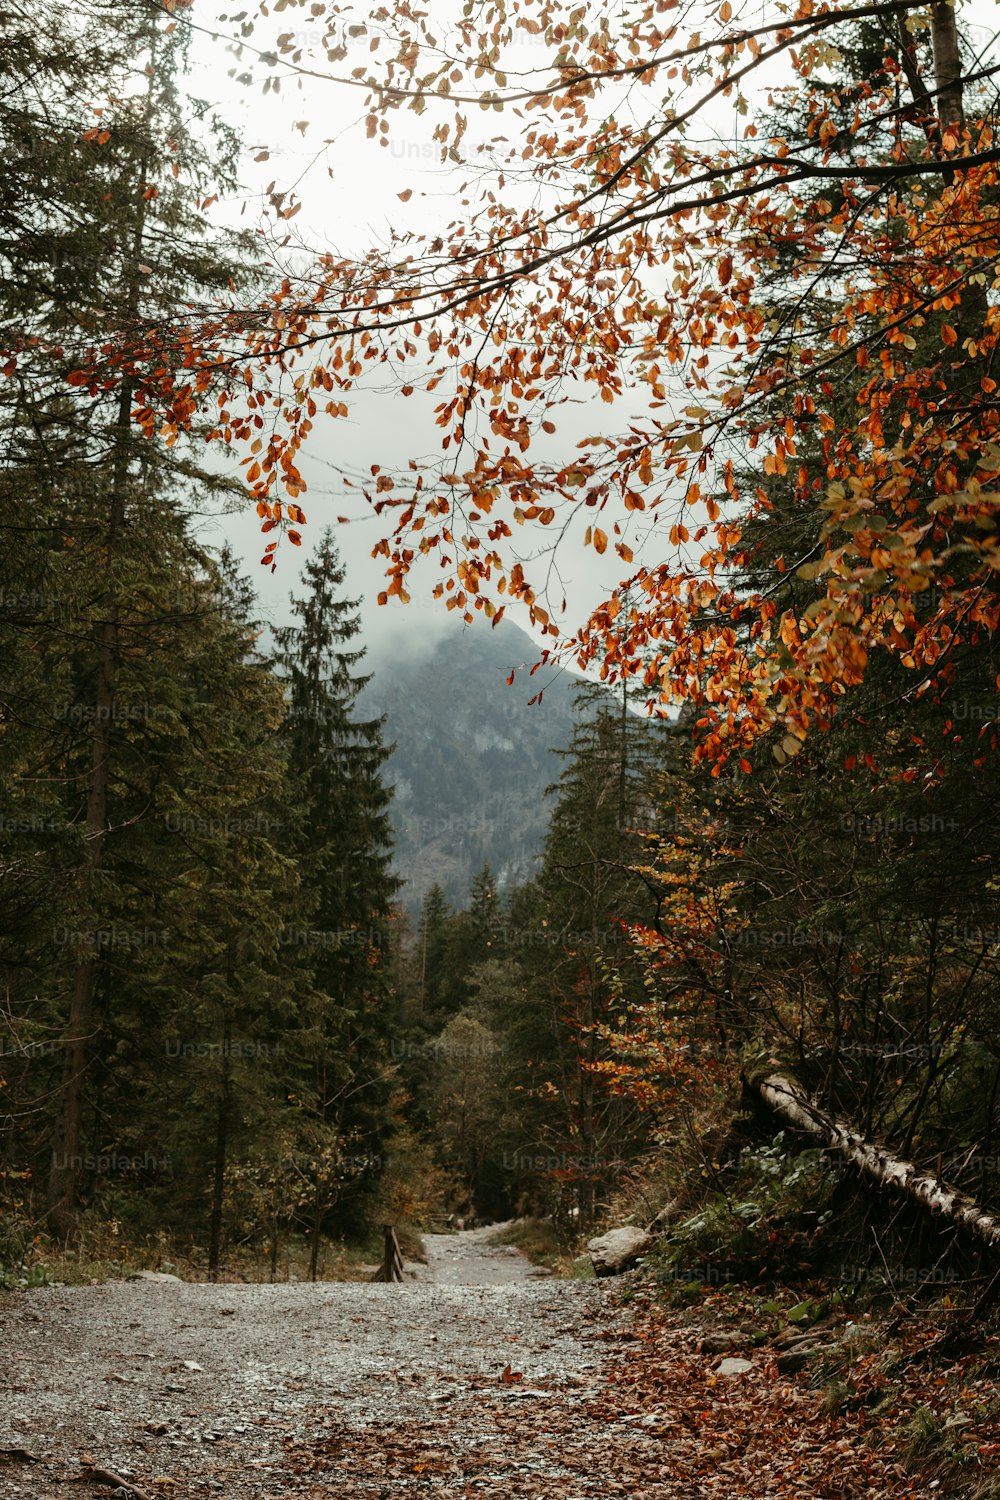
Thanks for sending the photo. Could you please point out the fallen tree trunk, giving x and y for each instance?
(787, 1098)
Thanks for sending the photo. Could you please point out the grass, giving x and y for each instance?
(104, 1255)
(539, 1241)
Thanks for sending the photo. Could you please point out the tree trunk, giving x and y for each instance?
(219, 1176)
(790, 1102)
(317, 1235)
(65, 1164)
(947, 65)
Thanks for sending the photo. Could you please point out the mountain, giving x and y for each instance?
(473, 757)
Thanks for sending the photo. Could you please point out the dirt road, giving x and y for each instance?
(472, 1259)
(478, 1378)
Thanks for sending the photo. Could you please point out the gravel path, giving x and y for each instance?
(479, 1378)
(471, 1259)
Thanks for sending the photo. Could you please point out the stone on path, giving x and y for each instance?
(615, 1251)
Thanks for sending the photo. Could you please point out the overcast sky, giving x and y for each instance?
(350, 189)
(350, 186)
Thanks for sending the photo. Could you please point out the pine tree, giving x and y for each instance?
(342, 841)
(566, 931)
(432, 953)
(97, 234)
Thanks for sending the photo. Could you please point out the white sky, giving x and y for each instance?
(350, 186)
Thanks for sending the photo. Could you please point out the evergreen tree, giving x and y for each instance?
(582, 893)
(342, 841)
(436, 979)
(100, 235)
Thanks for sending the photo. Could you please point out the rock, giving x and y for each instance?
(734, 1367)
(791, 1360)
(154, 1276)
(615, 1251)
(790, 1338)
(719, 1343)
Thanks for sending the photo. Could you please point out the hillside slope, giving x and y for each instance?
(473, 757)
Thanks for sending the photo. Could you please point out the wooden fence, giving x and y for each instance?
(391, 1268)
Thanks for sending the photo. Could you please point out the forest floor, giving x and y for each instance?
(477, 1377)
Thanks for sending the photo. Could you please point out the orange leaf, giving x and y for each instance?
(600, 539)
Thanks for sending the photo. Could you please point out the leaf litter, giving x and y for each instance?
(307, 1391)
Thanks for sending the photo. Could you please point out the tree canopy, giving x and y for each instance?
(621, 236)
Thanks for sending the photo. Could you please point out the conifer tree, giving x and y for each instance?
(569, 947)
(341, 838)
(432, 953)
(97, 235)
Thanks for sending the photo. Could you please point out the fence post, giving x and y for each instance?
(391, 1268)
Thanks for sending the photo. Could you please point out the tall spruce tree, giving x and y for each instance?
(342, 840)
(565, 929)
(100, 235)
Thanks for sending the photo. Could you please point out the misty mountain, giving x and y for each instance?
(473, 757)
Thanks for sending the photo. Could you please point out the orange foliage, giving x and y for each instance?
(634, 262)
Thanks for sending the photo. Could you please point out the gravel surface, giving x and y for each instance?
(477, 1377)
(470, 1259)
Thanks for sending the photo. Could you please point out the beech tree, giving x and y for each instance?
(618, 251)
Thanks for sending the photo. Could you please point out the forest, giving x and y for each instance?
(748, 997)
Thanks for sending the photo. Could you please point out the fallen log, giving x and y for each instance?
(789, 1101)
